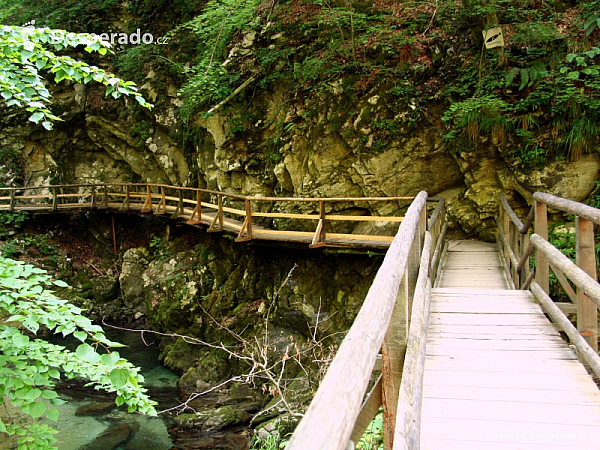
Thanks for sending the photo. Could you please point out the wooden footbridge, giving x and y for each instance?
(311, 221)
(473, 354)
(457, 341)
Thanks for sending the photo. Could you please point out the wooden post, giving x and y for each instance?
(12, 200)
(199, 206)
(323, 234)
(220, 212)
(587, 311)
(542, 268)
(524, 246)
(105, 192)
(127, 197)
(514, 243)
(180, 204)
(248, 218)
(92, 197)
(114, 234)
(54, 206)
(505, 220)
(392, 351)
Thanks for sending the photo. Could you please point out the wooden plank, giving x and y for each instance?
(496, 344)
(507, 330)
(487, 319)
(509, 444)
(517, 356)
(494, 394)
(467, 363)
(511, 411)
(481, 430)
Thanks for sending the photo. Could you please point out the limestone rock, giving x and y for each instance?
(573, 180)
(135, 262)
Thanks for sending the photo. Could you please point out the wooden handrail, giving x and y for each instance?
(569, 206)
(511, 214)
(436, 214)
(330, 418)
(583, 348)
(582, 273)
(568, 267)
(408, 418)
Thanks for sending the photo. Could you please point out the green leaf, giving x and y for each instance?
(81, 335)
(36, 117)
(119, 400)
(47, 125)
(119, 377)
(52, 414)
(110, 358)
(35, 409)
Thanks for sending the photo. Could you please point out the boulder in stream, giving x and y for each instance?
(112, 437)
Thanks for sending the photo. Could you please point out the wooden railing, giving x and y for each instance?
(517, 246)
(393, 319)
(219, 210)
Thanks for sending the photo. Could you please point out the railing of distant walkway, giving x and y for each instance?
(517, 246)
(226, 211)
(394, 318)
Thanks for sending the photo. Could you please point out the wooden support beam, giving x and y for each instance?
(587, 310)
(161, 208)
(196, 212)
(11, 208)
(316, 242)
(218, 217)
(574, 273)
(583, 348)
(368, 411)
(247, 225)
(147, 206)
(564, 283)
(320, 235)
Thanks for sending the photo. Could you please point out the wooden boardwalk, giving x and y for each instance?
(221, 212)
(497, 373)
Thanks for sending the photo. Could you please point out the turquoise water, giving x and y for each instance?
(147, 433)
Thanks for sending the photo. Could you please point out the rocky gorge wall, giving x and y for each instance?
(289, 148)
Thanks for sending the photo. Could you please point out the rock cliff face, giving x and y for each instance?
(287, 147)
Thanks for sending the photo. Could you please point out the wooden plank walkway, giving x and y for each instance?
(230, 224)
(497, 373)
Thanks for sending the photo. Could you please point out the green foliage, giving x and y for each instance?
(27, 51)
(373, 437)
(70, 14)
(161, 249)
(30, 367)
(213, 30)
(272, 442)
(529, 75)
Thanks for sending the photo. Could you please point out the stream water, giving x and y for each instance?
(91, 421)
